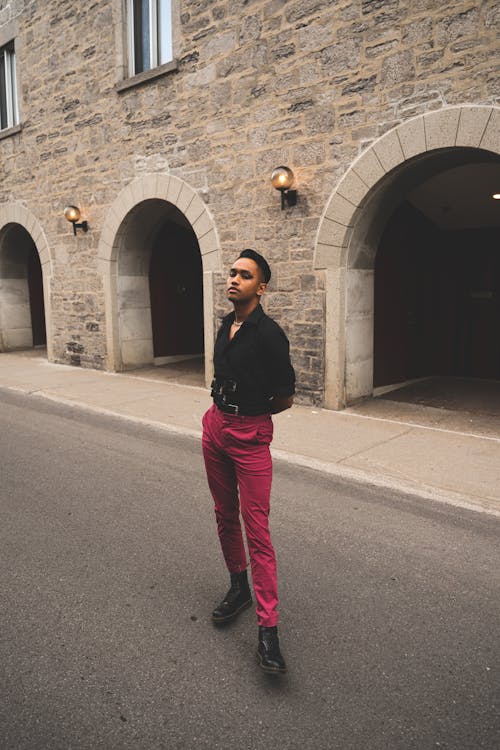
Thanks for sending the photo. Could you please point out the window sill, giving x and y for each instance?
(148, 75)
(10, 131)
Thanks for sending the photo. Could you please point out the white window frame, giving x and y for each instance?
(155, 41)
(11, 103)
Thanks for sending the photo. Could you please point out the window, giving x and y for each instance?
(9, 114)
(149, 34)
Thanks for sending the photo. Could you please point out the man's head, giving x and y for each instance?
(248, 277)
(261, 262)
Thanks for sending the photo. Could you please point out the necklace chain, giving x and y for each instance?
(235, 323)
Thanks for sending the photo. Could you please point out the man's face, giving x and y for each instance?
(244, 282)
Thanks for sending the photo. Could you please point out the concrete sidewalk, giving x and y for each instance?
(431, 453)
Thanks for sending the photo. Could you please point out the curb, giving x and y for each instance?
(450, 497)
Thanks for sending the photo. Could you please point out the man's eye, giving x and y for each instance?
(232, 273)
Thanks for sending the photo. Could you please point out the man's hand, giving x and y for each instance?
(280, 403)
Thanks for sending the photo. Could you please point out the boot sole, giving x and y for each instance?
(234, 614)
(269, 670)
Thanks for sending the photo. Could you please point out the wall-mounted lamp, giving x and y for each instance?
(282, 180)
(72, 214)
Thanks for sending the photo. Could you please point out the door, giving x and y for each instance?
(176, 288)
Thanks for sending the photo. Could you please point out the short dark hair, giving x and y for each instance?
(260, 260)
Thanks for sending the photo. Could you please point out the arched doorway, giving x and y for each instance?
(22, 307)
(159, 287)
(176, 292)
(134, 224)
(437, 277)
(360, 211)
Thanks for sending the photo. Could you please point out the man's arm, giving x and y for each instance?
(280, 403)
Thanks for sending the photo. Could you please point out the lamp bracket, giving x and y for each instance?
(83, 225)
(288, 197)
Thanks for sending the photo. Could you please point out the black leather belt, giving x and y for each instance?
(229, 408)
(221, 403)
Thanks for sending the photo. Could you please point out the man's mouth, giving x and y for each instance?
(232, 289)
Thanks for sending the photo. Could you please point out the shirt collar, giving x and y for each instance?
(253, 318)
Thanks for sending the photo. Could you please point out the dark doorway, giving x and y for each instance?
(437, 301)
(37, 307)
(176, 288)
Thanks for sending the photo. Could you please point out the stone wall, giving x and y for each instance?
(259, 83)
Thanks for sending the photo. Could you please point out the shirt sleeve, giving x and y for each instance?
(279, 370)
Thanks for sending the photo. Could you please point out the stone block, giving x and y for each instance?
(211, 261)
(195, 210)
(359, 380)
(491, 138)
(221, 44)
(398, 68)
(471, 126)
(106, 241)
(411, 135)
(359, 339)
(352, 188)
(202, 225)
(175, 186)
(17, 338)
(209, 242)
(150, 187)
(369, 168)
(328, 256)
(136, 353)
(133, 292)
(185, 197)
(332, 233)
(340, 210)
(456, 26)
(135, 323)
(137, 190)
(360, 291)
(389, 151)
(162, 185)
(441, 128)
(45, 261)
(13, 291)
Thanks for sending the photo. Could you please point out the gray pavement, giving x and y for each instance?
(435, 453)
(111, 566)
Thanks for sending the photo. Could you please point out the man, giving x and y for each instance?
(253, 379)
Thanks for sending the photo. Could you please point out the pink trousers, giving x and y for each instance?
(237, 456)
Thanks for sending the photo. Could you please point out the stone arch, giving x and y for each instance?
(177, 193)
(13, 283)
(354, 218)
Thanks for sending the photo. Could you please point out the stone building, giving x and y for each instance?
(162, 122)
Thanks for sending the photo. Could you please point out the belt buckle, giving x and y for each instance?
(235, 407)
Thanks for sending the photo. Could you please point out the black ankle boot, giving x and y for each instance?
(268, 651)
(236, 600)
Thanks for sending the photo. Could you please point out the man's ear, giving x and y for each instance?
(262, 288)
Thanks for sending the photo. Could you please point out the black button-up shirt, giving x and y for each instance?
(255, 363)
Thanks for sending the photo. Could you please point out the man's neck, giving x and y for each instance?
(241, 312)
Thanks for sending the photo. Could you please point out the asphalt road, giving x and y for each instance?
(111, 566)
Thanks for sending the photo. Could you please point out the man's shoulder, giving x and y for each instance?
(269, 328)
